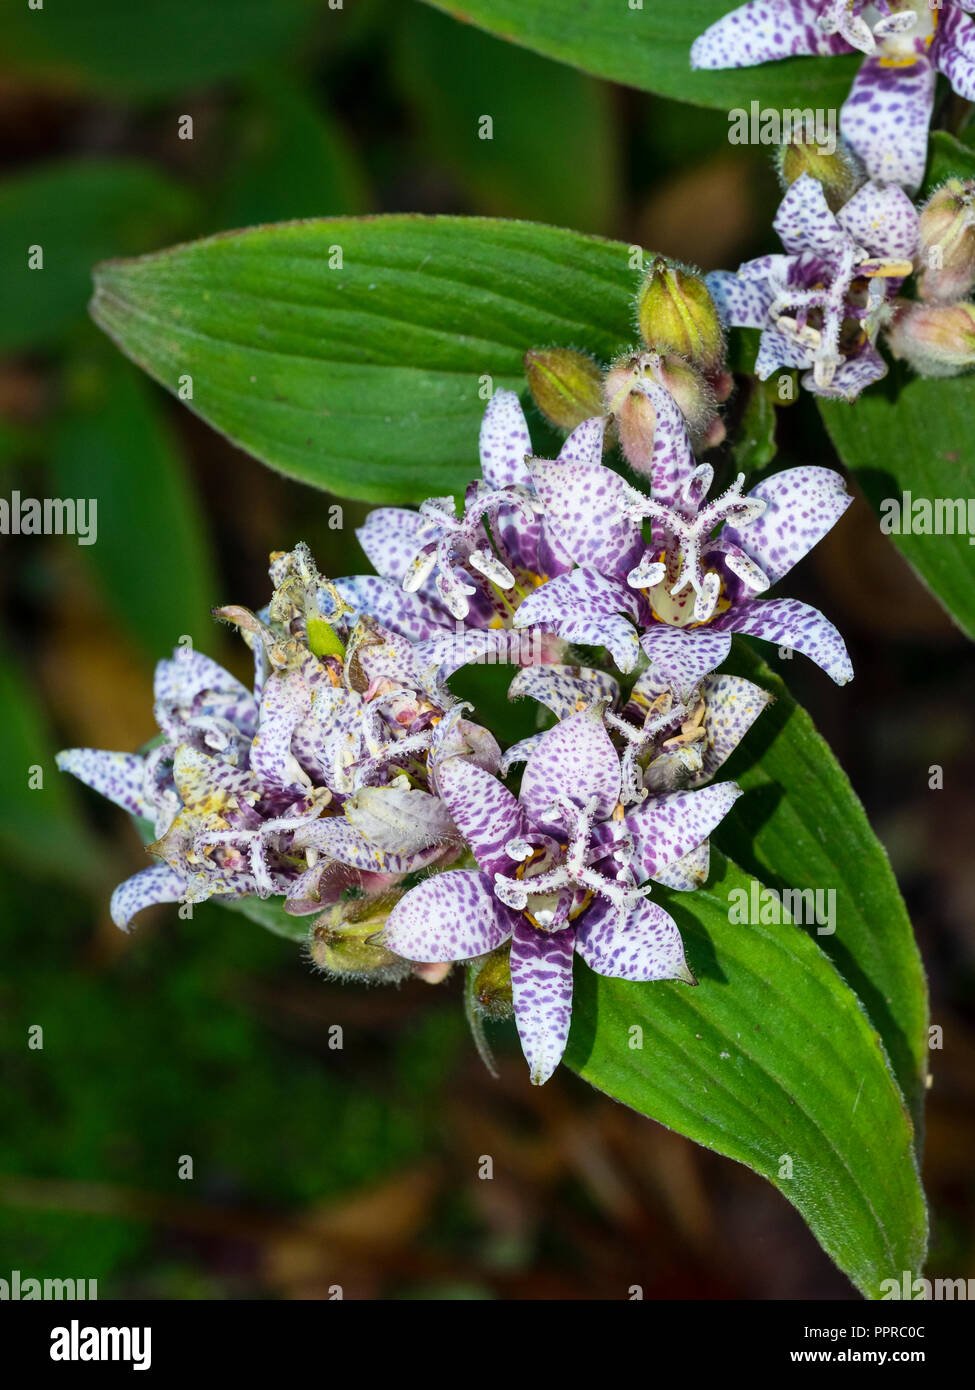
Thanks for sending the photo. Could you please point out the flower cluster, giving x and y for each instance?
(350, 785)
(851, 234)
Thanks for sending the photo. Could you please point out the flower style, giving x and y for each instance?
(561, 869)
(437, 573)
(821, 306)
(315, 783)
(885, 119)
(688, 592)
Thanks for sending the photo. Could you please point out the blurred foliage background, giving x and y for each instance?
(313, 1166)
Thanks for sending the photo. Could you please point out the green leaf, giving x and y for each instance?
(801, 825)
(550, 149)
(911, 435)
(753, 444)
(75, 213)
(162, 587)
(368, 377)
(769, 1059)
(155, 46)
(946, 157)
(649, 48)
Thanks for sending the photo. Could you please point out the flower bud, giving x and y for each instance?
(567, 386)
(634, 412)
(946, 242)
(491, 987)
(840, 173)
(676, 314)
(342, 948)
(935, 339)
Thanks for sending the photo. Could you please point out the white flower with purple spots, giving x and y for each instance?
(905, 44)
(437, 572)
(317, 782)
(561, 869)
(821, 305)
(683, 597)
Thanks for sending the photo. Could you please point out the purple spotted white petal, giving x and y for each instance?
(484, 811)
(564, 689)
(801, 505)
(682, 656)
(776, 349)
(504, 442)
(409, 615)
(585, 444)
(179, 680)
(762, 31)
(672, 462)
(885, 119)
(690, 872)
(159, 884)
(575, 760)
(119, 776)
(519, 752)
(541, 987)
(882, 219)
(646, 946)
(452, 916)
(732, 705)
(852, 376)
(955, 51)
(668, 826)
(388, 536)
(585, 607)
(741, 302)
(789, 623)
(804, 220)
(584, 508)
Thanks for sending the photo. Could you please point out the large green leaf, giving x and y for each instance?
(801, 825)
(162, 587)
(550, 149)
(910, 435)
(368, 378)
(75, 213)
(649, 47)
(771, 1061)
(153, 46)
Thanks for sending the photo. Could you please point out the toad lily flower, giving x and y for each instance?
(821, 306)
(687, 592)
(438, 573)
(886, 117)
(667, 743)
(560, 871)
(316, 783)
